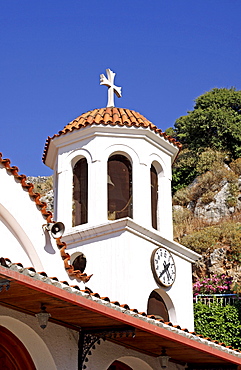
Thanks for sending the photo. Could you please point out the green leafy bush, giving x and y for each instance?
(182, 197)
(203, 239)
(210, 135)
(219, 322)
(215, 122)
(183, 171)
(210, 159)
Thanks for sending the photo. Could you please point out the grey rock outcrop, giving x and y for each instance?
(44, 186)
(218, 208)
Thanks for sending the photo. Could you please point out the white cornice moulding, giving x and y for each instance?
(84, 233)
(89, 132)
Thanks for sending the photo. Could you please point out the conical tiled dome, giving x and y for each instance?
(112, 117)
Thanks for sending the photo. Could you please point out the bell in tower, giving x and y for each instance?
(119, 187)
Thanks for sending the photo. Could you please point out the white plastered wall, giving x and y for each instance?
(106, 353)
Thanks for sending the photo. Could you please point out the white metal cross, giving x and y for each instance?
(111, 87)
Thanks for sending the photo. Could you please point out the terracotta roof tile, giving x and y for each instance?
(75, 287)
(107, 299)
(125, 306)
(113, 117)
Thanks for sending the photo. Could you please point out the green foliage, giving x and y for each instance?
(215, 122)
(201, 240)
(212, 134)
(170, 131)
(184, 171)
(219, 322)
(227, 233)
(210, 159)
(182, 197)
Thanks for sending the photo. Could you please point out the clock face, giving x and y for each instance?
(163, 267)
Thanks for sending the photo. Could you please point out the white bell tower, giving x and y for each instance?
(112, 181)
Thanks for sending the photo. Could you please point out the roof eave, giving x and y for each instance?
(180, 345)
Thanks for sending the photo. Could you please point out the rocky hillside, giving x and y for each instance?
(207, 219)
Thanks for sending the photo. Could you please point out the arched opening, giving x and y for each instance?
(80, 193)
(154, 196)
(119, 182)
(13, 354)
(118, 365)
(157, 307)
(78, 260)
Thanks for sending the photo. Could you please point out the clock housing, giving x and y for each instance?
(163, 266)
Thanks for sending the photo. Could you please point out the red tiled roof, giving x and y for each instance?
(113, 117)
(13, 273)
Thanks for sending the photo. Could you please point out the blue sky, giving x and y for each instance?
(165, 54)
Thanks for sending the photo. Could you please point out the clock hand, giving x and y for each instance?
(168, 274)
(167, 271)
(164, 270)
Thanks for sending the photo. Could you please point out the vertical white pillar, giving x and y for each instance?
(97, 213)
(64, 202)
(165, 207)
(141, 195)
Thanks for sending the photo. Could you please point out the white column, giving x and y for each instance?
(165, 207)
(142, 195)
(64, 201)
(97, 181)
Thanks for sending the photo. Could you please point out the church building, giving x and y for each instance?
(100, 284)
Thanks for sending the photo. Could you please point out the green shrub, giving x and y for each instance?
(201, 240)
(182, 197)
(219, 322)
(210, 159)
(183, 171)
